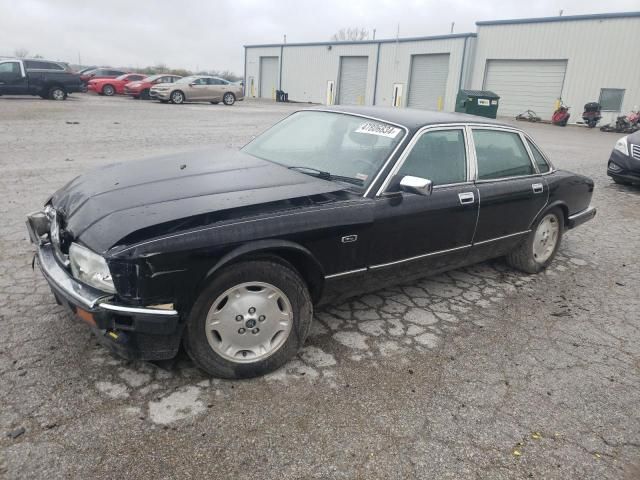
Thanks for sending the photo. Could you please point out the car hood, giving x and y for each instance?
(634, 138)
(104, 206)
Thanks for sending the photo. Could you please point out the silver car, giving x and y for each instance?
(198, 88)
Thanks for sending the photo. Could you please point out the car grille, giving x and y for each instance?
(635, 151)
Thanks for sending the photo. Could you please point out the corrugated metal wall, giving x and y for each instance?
(600, 54)
(306, 69)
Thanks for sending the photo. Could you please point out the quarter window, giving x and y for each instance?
(543, 166)
(438, 156)
(501, 154)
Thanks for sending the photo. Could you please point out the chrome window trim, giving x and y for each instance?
(544, 155)
(503, 237)
(411, 145)
(343, 274)
(418, 257)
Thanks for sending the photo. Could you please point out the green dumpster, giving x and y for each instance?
(477, 102)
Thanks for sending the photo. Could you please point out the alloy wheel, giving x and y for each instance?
(545, 238)
(249, 322)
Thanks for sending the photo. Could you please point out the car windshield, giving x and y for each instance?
(330, 145)
(187, 79)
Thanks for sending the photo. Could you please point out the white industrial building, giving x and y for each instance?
(529, 63)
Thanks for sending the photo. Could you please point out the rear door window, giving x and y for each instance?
(501, 154)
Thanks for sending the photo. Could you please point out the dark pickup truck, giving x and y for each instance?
(47, 79)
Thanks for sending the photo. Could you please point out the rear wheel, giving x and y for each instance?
(250, 320)
(229, 98)
(539, 249)
(57, 93)
(108, 90)
(177, 97)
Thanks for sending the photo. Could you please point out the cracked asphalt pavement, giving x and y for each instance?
(482, 372)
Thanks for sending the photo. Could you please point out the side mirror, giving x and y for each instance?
(417, 185)
(191, 84)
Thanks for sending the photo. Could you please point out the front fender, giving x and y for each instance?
(293, 253)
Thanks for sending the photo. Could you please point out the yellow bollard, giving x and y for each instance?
(440, 104)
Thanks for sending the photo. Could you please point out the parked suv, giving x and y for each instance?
(199, 88)
(53, 80)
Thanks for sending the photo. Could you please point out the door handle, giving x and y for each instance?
(466, 198)
(537, 187)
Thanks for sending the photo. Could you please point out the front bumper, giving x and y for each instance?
(160, 95)
(131, 332)
(623, 167)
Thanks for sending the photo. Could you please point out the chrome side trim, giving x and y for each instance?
(504, 237)
(135, 310)
(418, 257)
(344, 274)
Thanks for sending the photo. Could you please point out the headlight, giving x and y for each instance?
(622, 146)
(90, 268)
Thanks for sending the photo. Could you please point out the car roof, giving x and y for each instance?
(411, 118)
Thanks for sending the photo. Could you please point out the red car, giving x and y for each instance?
(111, 86)
(141, 89)
(99, 72)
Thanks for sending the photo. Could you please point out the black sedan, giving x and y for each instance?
(228, 251)
(624, 162)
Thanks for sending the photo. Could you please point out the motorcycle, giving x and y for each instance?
(591, 114)
(561, 116)
(625, 123)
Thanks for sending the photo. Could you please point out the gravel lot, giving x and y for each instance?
(483, 372)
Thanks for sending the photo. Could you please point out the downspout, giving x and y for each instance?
(244, 83)
(375, 80)
(464, 55)
(280, 76)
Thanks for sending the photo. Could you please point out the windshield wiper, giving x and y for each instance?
(327, 175)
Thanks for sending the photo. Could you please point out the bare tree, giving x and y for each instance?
(351, 34)
(21, 52)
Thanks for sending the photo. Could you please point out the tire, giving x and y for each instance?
(57, 94)
(108, 90)
(229, 99)
(532, 255)
(289, 299)
(177, 97)
(135, 97)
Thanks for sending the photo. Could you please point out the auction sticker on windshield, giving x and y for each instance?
(379, 129)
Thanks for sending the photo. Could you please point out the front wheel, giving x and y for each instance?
(250, 320)
(57, 93)
(229, 98)
(177, 97)
(538, 250)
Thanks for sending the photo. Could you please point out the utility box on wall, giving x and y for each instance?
(477, 102)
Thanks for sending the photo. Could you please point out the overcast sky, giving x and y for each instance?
(201, 34)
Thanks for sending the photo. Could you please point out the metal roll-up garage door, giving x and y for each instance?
(526, 85)
(353, 80)
(268, 77)
(428, 81)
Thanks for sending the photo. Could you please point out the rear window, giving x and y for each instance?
(41, 65)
